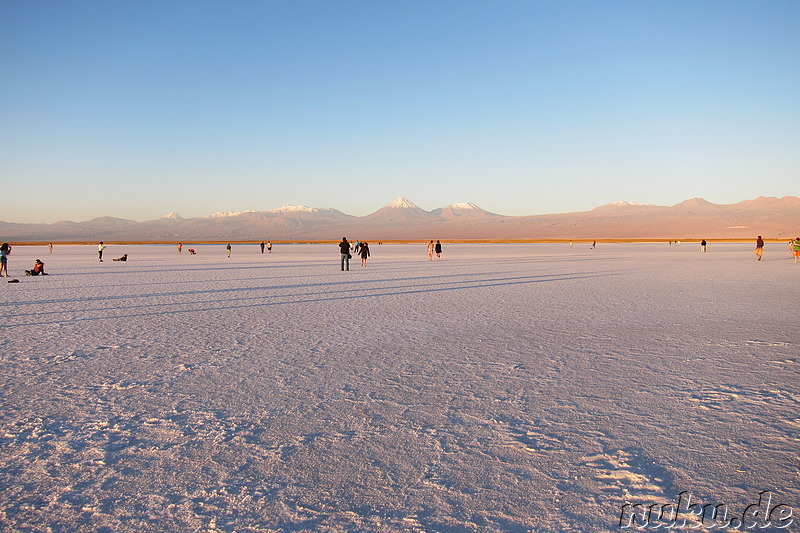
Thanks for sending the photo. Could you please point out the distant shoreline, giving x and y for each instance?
(401, 241)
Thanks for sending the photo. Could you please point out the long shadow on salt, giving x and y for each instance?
(325, 296)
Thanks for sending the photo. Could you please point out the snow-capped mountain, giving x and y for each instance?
(622, 203)
(402, 203)
(464, 206)
(399, 211)
(307, 213)
(462, 211)
(402, 219)
(295, 209)
(228, 214)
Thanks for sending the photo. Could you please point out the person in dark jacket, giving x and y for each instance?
(759, 247)
(344, 249)
(438, 250)
(364, 253)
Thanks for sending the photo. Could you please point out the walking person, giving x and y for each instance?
(364, 252)
(262, 247)
(344, 249)
(269, 247)
(228, 249)
(180, 248)
(759, 247)
(438, 250)
(50, 248)
(796, 249)
(703, 245)
(100, 248)
(5, 249)
(430, 251)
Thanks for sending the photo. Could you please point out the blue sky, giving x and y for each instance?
(137, 109)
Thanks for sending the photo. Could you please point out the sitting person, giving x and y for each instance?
(38, 269)
(123, 258)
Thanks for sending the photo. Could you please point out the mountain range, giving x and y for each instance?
(401, 219)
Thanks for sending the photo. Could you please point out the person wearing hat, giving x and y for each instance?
(37, 270)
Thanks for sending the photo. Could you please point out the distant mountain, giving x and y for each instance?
(399, 211)
(402, 219)
(401, 203)
(462, 211)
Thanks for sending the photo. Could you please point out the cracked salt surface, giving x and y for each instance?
(504, 388)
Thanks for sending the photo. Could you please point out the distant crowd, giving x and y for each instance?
(346, 251)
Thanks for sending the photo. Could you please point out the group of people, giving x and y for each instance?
(794, 247)
(5, 251)
(180, 249)
(360, 248)
(435, 249)
(101, 247)
(264, 245)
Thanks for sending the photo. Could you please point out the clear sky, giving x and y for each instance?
(137, 109)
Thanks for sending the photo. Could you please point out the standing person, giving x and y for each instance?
(50, 247)
(180, 248)
(430, 251)
(703, 245)
(796, 249)
(759, 247)
(364, 252)
(594, 244)
(269, 247)
(228, 249)
(4, 251)
(344, 249)
(262, 246)
(438, 250)
(100, 248)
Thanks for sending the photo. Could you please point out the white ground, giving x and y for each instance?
(505, 388)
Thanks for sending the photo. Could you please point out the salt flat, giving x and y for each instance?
(505, 388)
